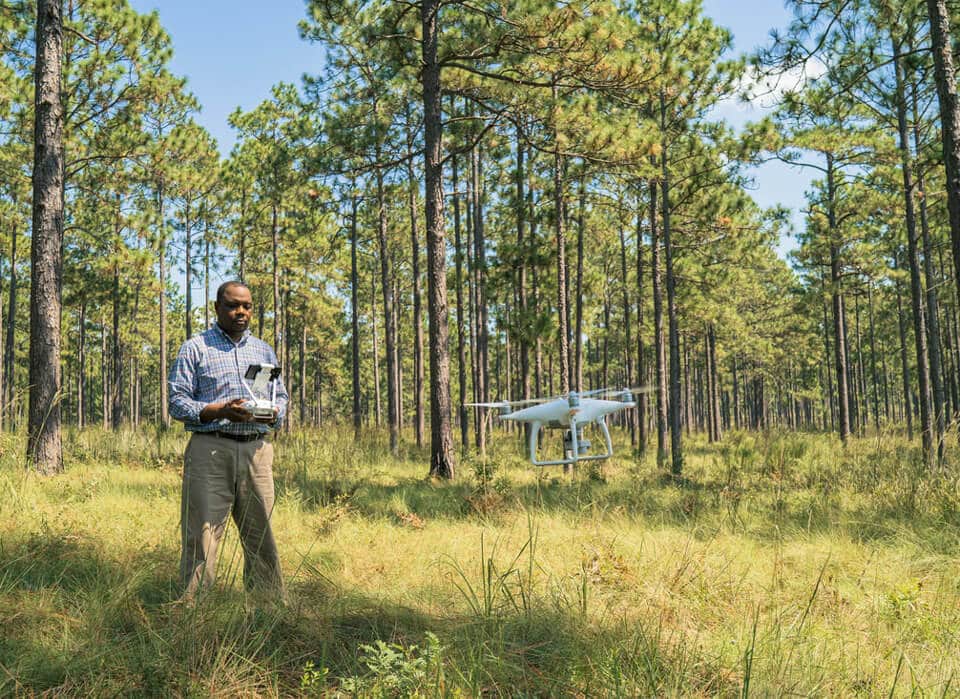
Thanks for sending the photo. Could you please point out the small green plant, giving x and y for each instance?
(394, 670)
(313, 680)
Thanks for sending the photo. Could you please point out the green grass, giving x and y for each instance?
(780, 564)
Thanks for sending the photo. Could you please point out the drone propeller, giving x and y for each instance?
(507, 403)
(618, 391)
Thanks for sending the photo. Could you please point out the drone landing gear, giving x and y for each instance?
(575, 447)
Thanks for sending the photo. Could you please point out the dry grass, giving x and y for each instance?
(780, 565)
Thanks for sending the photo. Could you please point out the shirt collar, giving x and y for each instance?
(243, 338)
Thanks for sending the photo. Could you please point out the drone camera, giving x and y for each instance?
(626, 397)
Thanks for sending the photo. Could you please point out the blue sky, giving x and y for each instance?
(233, 52)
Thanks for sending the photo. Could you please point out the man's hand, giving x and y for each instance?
(231, 410)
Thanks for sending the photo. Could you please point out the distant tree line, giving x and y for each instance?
(471, 202)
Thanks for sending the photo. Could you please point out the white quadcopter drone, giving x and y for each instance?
(571, 413)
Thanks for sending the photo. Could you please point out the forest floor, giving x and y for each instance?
(780, 564)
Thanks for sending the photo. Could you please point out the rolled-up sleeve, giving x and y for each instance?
(183, 386)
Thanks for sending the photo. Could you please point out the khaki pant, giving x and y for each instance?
(222, 477)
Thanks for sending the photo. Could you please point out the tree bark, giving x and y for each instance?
(563, 345)
(715, 379)
(676, 447)
(188, 265)
(944, 73)
(631, 414)
(355, 316)
(377, 400)
(839, 325)
(442, 461)
(82, 363)
(10, 370)
(274, 255)
(932, 303)
(578, 333)
(916, 287)
(418, 375)
(904, 363)
(162, 302)
(641, 398)
(116, 353)
(461, 311)
(389, 327)
(480, 323)
(659, 340)
(44, 446)
(303, 373)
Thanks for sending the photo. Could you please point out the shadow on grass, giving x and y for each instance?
(80, 623)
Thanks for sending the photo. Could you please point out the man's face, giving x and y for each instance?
(234, 310)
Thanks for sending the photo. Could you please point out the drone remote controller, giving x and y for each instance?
(259, 408)
(262, 375)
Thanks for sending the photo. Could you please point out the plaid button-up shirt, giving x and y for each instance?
(210, 369)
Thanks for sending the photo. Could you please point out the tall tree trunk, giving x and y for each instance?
(827, 353)
(715, 393)
(390, 331)
(442, 463)
(873, 360)
(904, 363)
(932, 303)
(461, 311)
(82, 362)
(9, 362)
(44, 447)
(534, 280)
(162, 302)
(285, 356)
(418, 376)
(274, 255)
(944, 73)
(188, 264)
(563, 346)
(631, 415)
(839, 324)
(916, 287)
(481, 317)
(578, 333)
(641, 398)
(302, 363)
(659, 340)
(206, 280)
(860, 374)
(398, 350)
(242, 245)
(355, 316)
(116, 410)
(524, 324)
(378, 403)
(735, 408)
(104, 376)
(676, 447)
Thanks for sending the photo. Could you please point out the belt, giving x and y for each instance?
(246, 437)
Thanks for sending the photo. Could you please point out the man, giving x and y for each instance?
(227, 467)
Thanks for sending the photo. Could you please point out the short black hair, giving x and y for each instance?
(226, 285)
